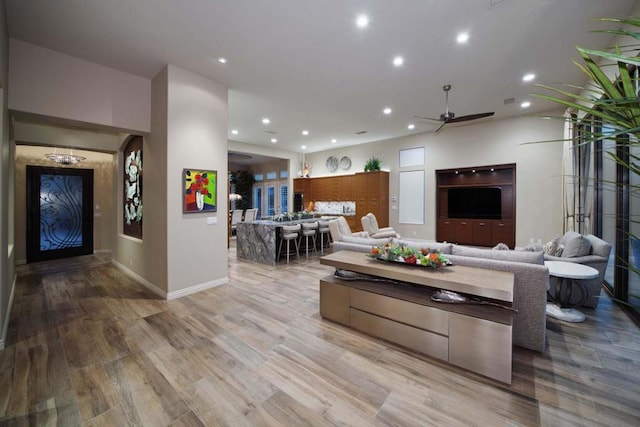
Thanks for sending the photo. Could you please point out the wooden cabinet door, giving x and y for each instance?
(482, 233)
(446, 231)
(502, 232)
(464, 232)
(360, 195)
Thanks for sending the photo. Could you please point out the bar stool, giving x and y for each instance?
(289, 233)
(323, 228)
(309, 229)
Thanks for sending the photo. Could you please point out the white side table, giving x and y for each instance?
(570, 275)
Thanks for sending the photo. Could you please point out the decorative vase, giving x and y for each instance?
(199, 200)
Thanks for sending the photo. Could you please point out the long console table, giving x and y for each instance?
(474, 337)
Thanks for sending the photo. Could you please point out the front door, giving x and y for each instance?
(59, 212)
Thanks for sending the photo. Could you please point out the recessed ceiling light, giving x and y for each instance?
(234, 131)
(333, 141)
(462, 38)
(305, 132)
(411, 126)
(525, 104)
(362, 21)
(528, 77)
(387, 111)
(398, 61)
(274, 140)
(222, 60)
(266, 121)
(304, 147)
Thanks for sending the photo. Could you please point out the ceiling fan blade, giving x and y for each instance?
(470, 117)
(441, 126)
(427, 118)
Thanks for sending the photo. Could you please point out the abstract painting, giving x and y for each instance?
(199, 191)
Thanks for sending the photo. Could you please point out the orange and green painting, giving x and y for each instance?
(199, 190)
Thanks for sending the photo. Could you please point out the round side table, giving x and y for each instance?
(570, 275)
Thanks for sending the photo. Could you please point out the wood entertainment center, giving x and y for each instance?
(474, 337)
(477, 205)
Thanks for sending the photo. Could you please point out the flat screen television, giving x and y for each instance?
(475, 202)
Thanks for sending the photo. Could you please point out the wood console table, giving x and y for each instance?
(474, 337)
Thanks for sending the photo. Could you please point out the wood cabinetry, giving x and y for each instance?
(494, 220)
(372, 195)
(301, 185)
(370, 191)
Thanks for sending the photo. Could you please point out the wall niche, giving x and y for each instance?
(477, 205)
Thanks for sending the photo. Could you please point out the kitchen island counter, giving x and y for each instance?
(258, 240)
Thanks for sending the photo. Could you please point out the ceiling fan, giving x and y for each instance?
(449, 117)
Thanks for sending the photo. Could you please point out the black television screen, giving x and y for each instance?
(475, 202)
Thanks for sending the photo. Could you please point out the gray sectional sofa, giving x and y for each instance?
(531, 280)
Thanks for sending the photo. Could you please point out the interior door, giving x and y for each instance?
(59, 212)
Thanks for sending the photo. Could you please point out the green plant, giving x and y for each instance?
(243, 181)
(610, 101)
(373, 164)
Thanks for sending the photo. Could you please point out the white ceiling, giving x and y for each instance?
(305, 65)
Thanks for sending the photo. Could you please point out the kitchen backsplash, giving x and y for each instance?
(335, 207)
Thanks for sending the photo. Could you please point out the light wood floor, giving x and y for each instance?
(87, 345)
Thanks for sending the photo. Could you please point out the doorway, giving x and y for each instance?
(59, 212)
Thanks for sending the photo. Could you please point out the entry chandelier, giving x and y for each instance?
(65, 159)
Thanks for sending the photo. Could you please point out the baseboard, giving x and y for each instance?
(102, 251)
(197, 288)
(175, 294)
(21, 261)
(5, 329)
(153, 288)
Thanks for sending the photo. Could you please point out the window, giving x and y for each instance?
(257, 200)
(284, 197)
(271, 175)
(284, 174)
(259, 177)
(270, 207)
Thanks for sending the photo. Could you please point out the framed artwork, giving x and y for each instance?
(199, 194)
(132, 188)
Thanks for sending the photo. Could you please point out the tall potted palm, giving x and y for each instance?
(613, 101)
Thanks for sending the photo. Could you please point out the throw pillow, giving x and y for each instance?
(551, 248)
(500, 247)
(575, 245)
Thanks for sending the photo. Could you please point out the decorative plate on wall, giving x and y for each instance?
(332, 163)
(345, 163)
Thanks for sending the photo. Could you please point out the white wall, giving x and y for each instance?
(147, 257)
(7, 256)
(196, 139)
(538, 179)
(41, 134)
(52, 84)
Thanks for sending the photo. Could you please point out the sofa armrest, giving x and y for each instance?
(360, 234)
(384, 234)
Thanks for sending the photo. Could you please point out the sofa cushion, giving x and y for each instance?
(374, 222)
(514, 256)
(575, 245)
(598, 246)
(444, 248)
